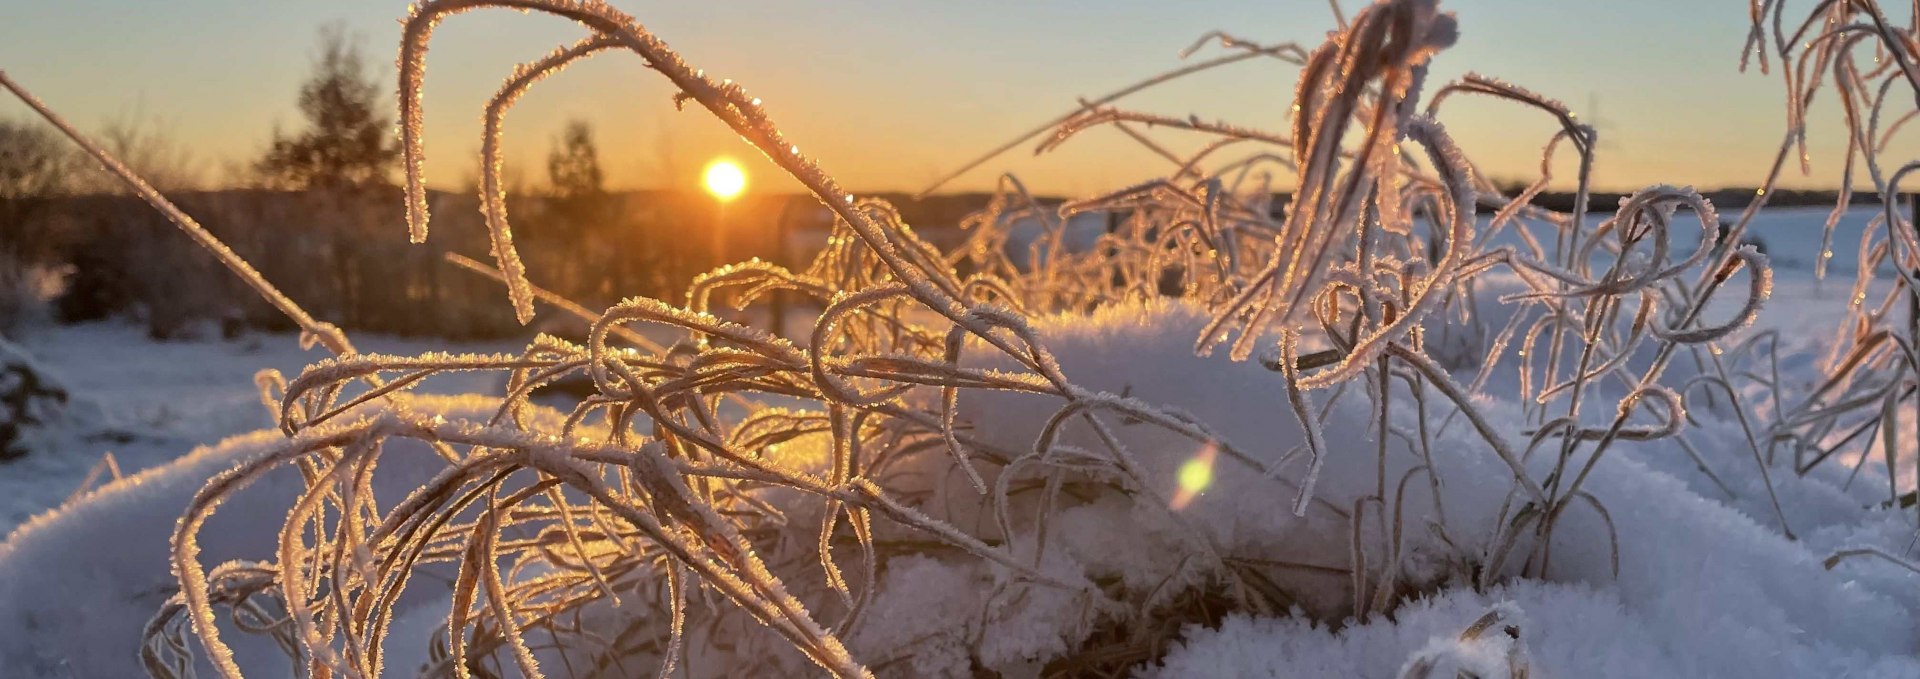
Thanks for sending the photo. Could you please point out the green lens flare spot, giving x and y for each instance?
(1196, 475)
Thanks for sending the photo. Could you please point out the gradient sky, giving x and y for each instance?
(890, 94)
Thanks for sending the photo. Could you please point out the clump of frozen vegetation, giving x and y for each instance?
(35, 405)
(1871, 371)
(1217, 442)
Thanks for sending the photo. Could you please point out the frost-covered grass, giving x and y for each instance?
(1704, 588)
(1415, 427)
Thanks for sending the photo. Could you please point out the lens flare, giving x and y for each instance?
(1196, 475)
(1193, 478)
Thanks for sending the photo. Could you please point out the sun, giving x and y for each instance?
(724, 179)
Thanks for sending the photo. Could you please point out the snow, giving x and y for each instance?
(37, 406)
(155, 400)
(1713, 591)
(1707, 585)
(78, 585)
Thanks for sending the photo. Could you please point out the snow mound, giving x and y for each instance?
(79, 583)
(1705, 586)
(1702, 589)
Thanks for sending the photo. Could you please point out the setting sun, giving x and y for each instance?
(724, 179)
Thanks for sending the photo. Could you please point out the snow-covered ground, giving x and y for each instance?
(1707, 584)
(158, 400)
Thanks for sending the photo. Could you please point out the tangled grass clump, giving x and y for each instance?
(1872, 370)
(676, 487)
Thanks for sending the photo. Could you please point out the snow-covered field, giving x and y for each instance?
(1706, 583)
(160, 399)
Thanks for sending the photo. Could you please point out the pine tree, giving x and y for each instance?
(574, 166)
(346, 150)
(580, 205)
(347, 142)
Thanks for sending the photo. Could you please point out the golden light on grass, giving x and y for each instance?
(724, 179)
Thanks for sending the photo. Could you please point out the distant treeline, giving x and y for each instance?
(324, 223)
(345, 256)
(1724, 200)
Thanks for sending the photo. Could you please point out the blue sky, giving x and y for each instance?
(890, 94)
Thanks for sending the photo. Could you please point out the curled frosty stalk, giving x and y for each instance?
(493, 195)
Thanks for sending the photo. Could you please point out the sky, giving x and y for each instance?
(889, 95)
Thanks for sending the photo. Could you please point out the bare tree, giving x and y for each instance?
(35, 168)
(34, 165)
(147, 145)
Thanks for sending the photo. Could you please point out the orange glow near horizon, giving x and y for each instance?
(888, 106)
(724, 179)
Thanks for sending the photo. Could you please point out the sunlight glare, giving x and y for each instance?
(724, 179)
